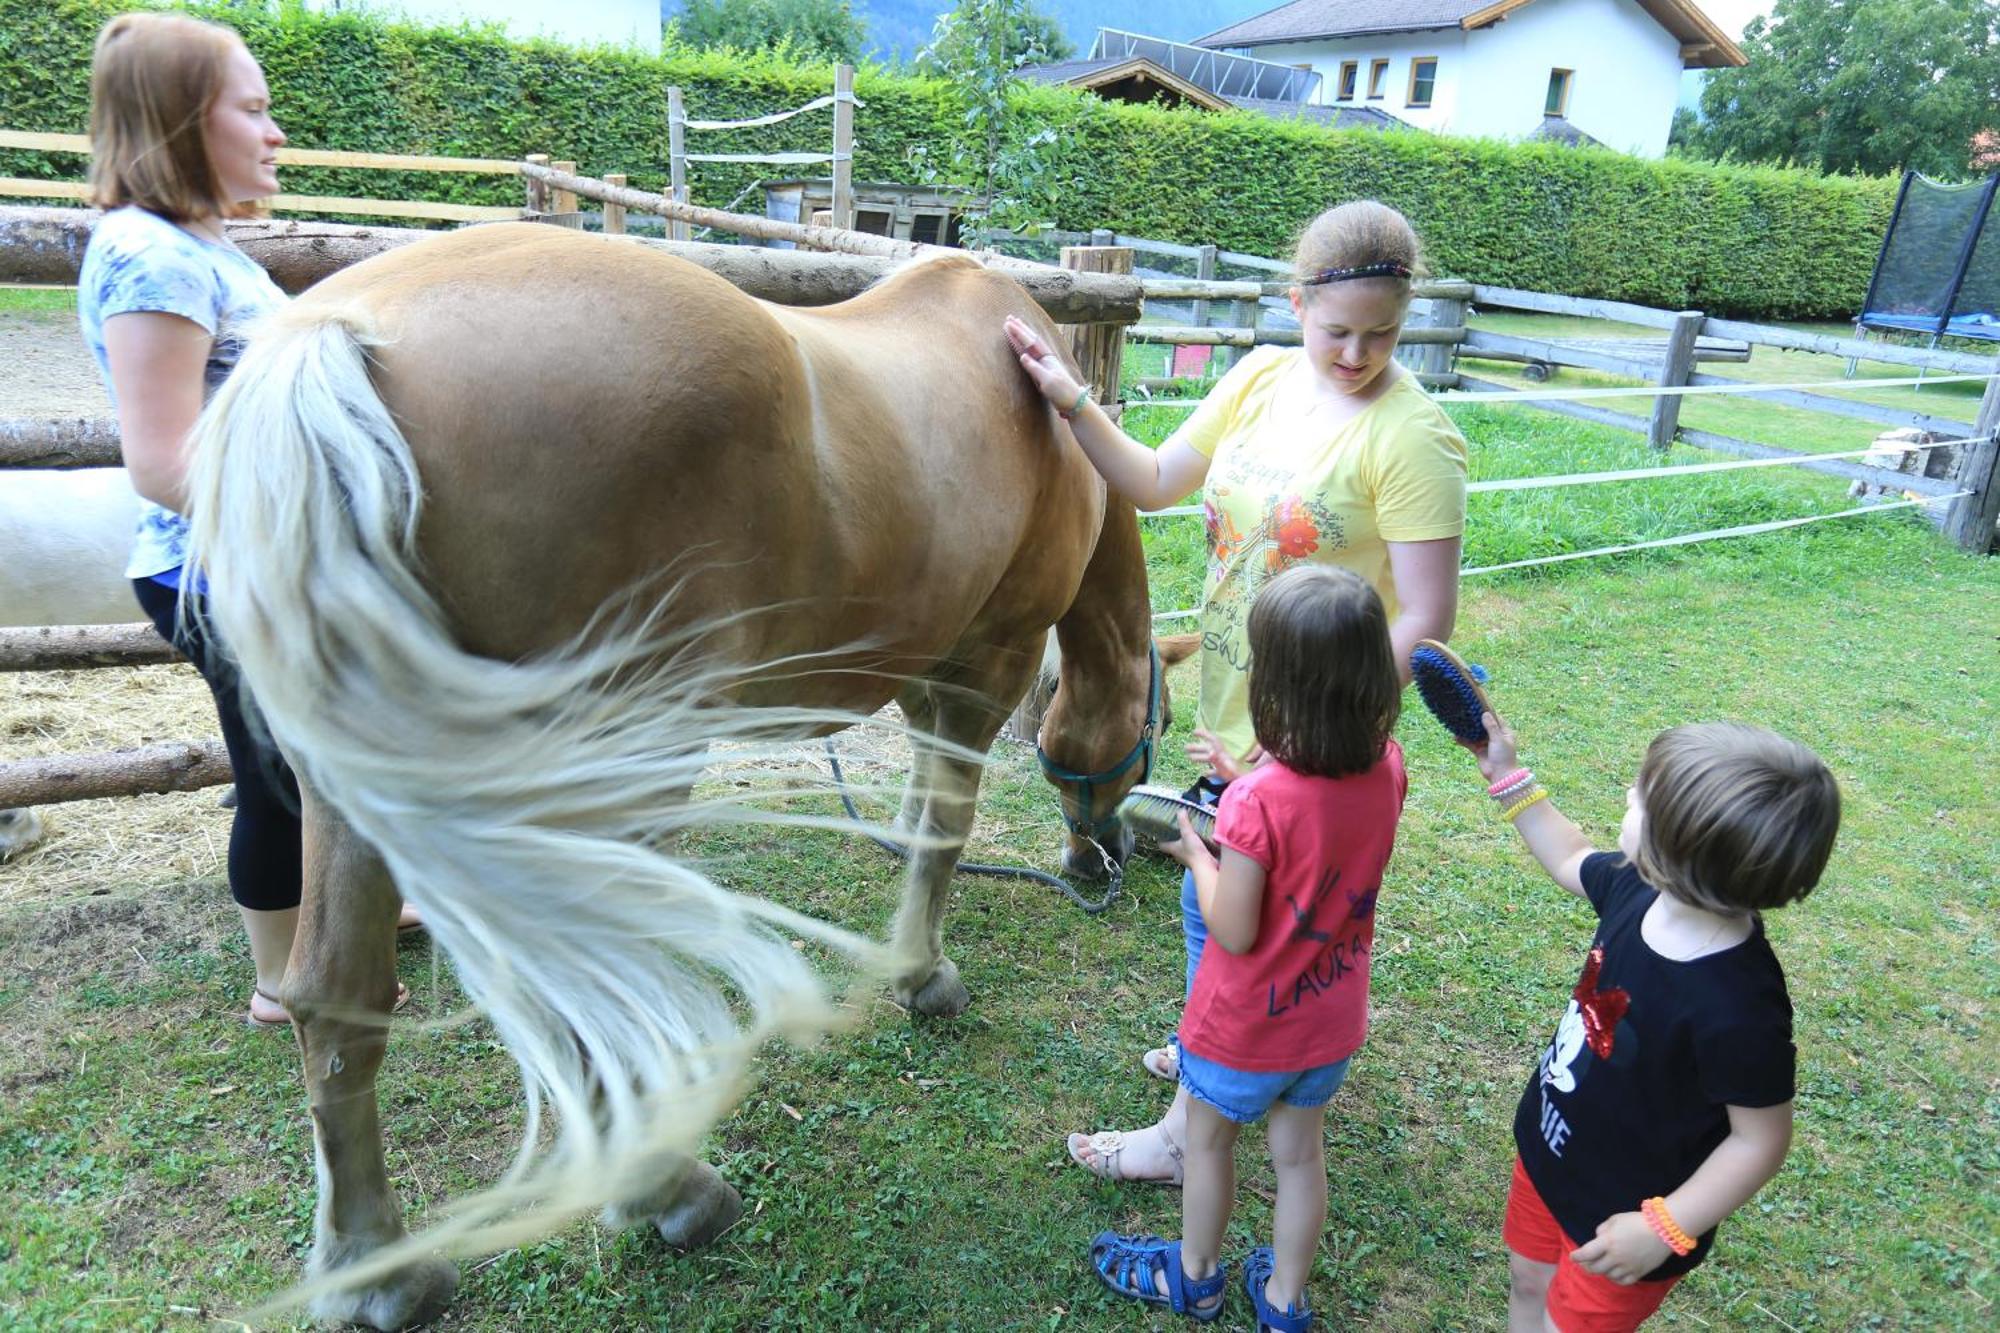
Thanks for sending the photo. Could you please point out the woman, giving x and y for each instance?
(1326, 453)
(182, 138)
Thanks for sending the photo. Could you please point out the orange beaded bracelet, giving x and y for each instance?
(1662, 1222)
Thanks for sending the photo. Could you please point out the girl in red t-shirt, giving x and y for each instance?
(1280, 1003)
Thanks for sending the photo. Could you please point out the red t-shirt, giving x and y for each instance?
(1299, 998)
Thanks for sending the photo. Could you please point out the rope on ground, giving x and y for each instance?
(1114, 872)
(773, 118)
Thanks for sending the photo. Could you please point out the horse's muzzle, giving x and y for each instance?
(1081, 858)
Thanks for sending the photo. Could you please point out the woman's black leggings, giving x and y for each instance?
(264, 849)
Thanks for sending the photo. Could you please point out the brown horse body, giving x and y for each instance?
(871, 489)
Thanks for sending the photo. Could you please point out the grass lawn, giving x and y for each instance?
(155, 1155)
(36, 298)
(1742, 416)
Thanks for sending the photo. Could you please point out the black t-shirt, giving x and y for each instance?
(1631, 1096)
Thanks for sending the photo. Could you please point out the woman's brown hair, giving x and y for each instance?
(1324, 693)
(1738, 819)
(153, 78)
(1355, 234)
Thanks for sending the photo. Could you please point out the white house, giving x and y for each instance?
(1607, 71)
(628, 23)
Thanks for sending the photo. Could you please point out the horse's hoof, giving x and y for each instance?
(405, 1298)
(699, 1206)
(942, 996)
(19, 830)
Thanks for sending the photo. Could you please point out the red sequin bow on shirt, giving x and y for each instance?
(1601, 1008)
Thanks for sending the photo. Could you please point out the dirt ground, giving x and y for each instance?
(45, 371)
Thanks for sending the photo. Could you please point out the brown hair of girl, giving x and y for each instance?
(153, 78)
(1324, 693)
(1738, 819)
(1355, 234)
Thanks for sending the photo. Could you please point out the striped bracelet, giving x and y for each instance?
(1662, 1222)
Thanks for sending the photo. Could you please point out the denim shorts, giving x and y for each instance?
(1244, 1097)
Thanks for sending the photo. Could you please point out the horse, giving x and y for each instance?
(64, 536)
(505, 528)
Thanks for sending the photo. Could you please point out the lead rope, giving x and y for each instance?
(1115, 873)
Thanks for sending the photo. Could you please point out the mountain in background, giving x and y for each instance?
(897, 29)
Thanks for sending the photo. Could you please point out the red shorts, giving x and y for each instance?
(1579, 1301)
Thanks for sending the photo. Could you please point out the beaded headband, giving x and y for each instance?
(1390, 269)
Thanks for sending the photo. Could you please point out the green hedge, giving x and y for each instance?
(1757, 242)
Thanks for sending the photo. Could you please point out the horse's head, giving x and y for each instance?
(1099, 741)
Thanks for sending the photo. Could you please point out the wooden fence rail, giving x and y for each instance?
(142, 771)
(45, 246)
(26, 187)
(77, 647)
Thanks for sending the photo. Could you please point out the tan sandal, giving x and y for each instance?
(271, 1024)
(1162, 1062)
(1109, 1146)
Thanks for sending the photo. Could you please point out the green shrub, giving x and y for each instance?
(1760, 242)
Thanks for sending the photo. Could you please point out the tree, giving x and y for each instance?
(811, 29)
(1013, 168)
(1025, 36)
(1859, 85)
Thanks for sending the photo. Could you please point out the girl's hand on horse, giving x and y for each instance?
(1208, 750)
(1043, 364)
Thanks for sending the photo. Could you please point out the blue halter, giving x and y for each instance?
(1141, 754)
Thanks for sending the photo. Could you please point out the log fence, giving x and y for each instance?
(1094, 290)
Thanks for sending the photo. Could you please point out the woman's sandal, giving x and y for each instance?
(1162, 1062)
(1133, 1265)
(271, 1024)
(1109, 1145)
(1257, 1266)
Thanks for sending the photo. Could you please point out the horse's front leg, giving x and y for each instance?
(965, 717)
(339, 989)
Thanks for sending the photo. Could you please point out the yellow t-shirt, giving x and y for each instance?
(1284, 488)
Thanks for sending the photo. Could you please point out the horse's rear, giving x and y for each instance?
(505, 530)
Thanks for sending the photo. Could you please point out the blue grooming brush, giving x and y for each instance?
(1157, 811)
(1450, 689)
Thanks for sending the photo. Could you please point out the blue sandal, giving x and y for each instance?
(1257, 1268)
(1129, 1264)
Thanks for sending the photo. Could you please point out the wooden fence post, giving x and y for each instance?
(538, 191)
(1430, 358)
(1204, 269)
(1969, 521)
(676, 160)
(614, 214)
(562, 203)
(843, 146)
(1099, 351)
(1674, 372)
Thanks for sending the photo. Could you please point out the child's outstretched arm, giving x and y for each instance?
(1555, 842)
(1626, 1247)
(1230, 892)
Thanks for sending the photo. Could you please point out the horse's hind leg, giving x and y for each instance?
(689, 1211)
(339, 990)
(965, 713)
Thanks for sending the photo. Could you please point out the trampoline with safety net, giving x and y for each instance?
(1938, 274)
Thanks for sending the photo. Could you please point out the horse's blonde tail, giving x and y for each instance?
(522, 806)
